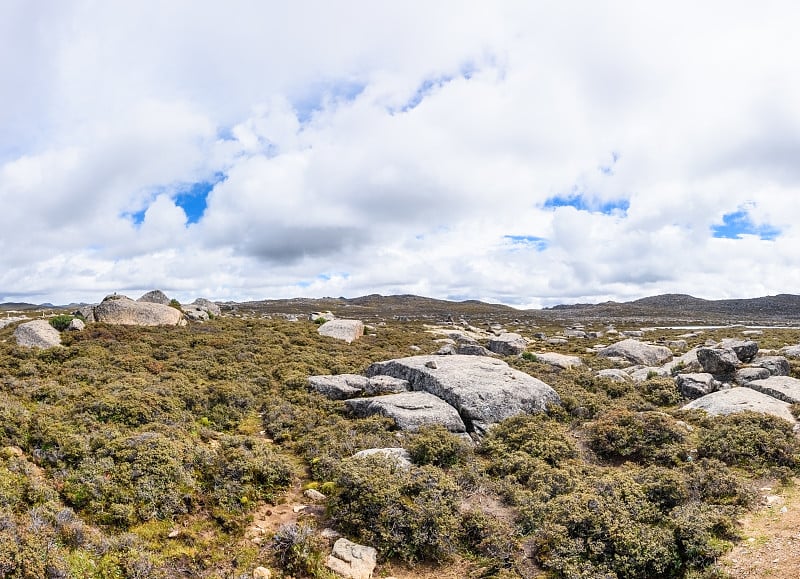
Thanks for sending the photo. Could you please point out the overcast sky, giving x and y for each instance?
(529, 153)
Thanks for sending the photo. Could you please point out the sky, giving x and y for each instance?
(528, 153)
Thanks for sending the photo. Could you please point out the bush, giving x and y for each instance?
(536, 436)
(647, 437)
(751, 440)
(299, 550)
(61, 322)
(407, 513)
(437, 446)
(661, 391)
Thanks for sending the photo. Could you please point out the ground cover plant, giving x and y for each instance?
(145, 452)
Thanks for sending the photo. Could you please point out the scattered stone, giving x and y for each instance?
(347, 330)
(791, 351)
(155, 297)
(330, 534)
(195, 313)
(339, 386)
(174, 534)
(638, 352)
(745, 375)
(483, 390)
(37, 334)
(540, 336)
(121, 310)
(378, 385)
(76, 325)
(694, 386)
(409, 410)
(575, 334)
(560, 360)
(11, 320)
(556, 341)
(640, 375)
(775, 365)
(352, 560)
(472, 350)
(633, 333)
(679, 345)
(508, 344)
(324, 316)
(686, 362)
(719, 361)
(447, 350)
(615, 374)
(414, 348)
(752, 333)
(314, 495)
(741, 399)
(431, 364)
(780, 387)
(399, 456)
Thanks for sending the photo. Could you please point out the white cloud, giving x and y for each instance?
(375, 148)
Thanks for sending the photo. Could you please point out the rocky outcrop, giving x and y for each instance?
(339, 386)
(409, 410)
(694, 386)
(741, 399)
(559, 360)
(347, 330)
(615, 374)
(745, 375)
(508, 344)
(211, 308)
(791, 351)
(718, 361)
(155, 297)
(745, 350)
(37, 334)
(780, 387)
(76, 325)
(637, 352)
(352, 560)
(775, 365)
(377, 385)
(121, 310)
(483, 390)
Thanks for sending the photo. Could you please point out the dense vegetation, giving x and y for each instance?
(143, 452)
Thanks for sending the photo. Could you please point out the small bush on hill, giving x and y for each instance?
(61, 322)
(437, 446)
(647, 437)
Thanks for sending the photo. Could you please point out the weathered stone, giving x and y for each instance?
(483, 390)
(324, 316)
(347, 330)
(352, 560)
(446, 350)
(694, 386)
(559, 360)
(686, 363)
(155, 297)
(574, 333)
(633, 333)
(741, 399)
(400, 456)
(121, 310)
(640, 375)
(637, 352)
(615, 374)
(780, 387)
(679, 345)
(262, 573)
(339, 386)
(745, 350)
(37, 334)
(195, 313)
(409, 410)
(791, 351)
(211, 308)
(508, 344)
(76, 325)
(377, 385)
(745, 375)
(556, 341)
(718, 360)
(472, 350)
(314, 495)
(775, 365)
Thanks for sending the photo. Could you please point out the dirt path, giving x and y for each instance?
(771, 544)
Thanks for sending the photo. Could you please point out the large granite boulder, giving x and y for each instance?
(347, 330)
(745, 350)
(741, 399)
(745, 375)
(483, 390)
(508, 344)
(637, 352)
(155, 297)
(37, 334)
(121, 310)
(194, 313)
(559, 360)
(776, 365)
(211, 308)
(780, 387)
(718, 360)
(338, 387)
(409, 410)
(693, 386)
(352, 560)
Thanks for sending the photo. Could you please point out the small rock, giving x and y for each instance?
(314, 495)
(174, 533)
(431, 364)
(352, 560)
(262, 573)
(76, 325)
(299, 508)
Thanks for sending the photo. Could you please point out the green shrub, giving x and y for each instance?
(534, 435)
(648, 437)
(407, 513)
(61, 322)
(661, 391)
(298, 550)
(437, 446)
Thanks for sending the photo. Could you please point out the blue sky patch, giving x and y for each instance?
(581, 203)
(531, 241)
(314, 101)
(193, 198)
(739, 223)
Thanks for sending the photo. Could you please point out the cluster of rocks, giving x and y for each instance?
(466, 394)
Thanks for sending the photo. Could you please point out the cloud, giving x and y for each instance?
(525, 152)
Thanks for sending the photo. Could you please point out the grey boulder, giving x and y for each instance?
(347, 330)
(741, 399)
(37, 334)
(563, 361)
(483, 390)
(339, 386)
(155, 297)
(508, 344)
(780, 387)
(719, 361)
(121, 310)
(637, 352)
(615, 374)
(745, 375)
(352, 560)
(400, 456)
(745, 350)
(409, 410)
(791, 351)
(775, 365)
(694, 386)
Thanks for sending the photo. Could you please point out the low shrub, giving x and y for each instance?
(61, 322)
(661, 391)
(436, 445)
(646, 437)
(299, 550)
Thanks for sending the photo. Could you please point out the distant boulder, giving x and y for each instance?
(616, 375)
(211, 308)
(560, 360)
(121, 310)
(741, 399)
(508, 344)
(155, 297)
(637, 352)
(347, 330)
(37, 334)
(791, 351)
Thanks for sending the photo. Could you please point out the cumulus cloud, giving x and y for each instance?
(526, 153)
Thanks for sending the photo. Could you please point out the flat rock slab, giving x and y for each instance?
(508, 344)
(338, 387)
(740, 400)
(780, 387)
(377, 385)
(483, 390)
(791, 351)
(745, 375)
(409, 410)
(347, 330)
(352, 560)
(560, 360)
(637, 352)
(37, 334)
